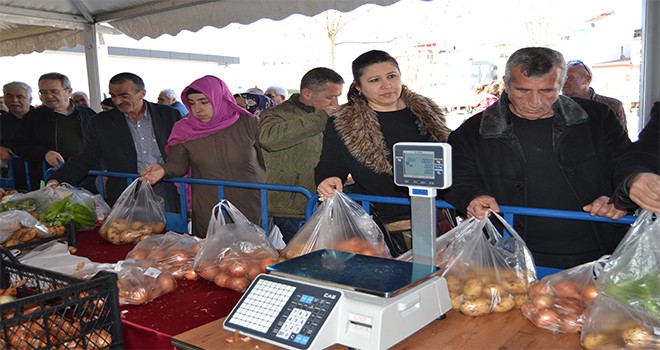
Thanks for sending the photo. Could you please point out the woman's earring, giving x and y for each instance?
(359, 92)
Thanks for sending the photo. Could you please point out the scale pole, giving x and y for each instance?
(424, 228)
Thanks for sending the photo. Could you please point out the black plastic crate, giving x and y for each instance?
(68, 236)
(57, 311)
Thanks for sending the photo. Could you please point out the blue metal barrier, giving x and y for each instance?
(179, 221)
(508, 213)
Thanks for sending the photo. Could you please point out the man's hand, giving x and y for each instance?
(327, 187)
(604, 207)
(330, 110)
(479, 206)
(54, 159)
(644, 190)
(152, 173)
(52, 183)
(5, 153)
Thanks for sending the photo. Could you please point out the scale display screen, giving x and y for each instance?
(283, 311)
(419, 164)
(422, 165)
(349, 271)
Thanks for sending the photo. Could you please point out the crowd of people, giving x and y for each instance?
(540, 137)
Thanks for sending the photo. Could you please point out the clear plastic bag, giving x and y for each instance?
(233, 253)
(139, 280)
(612, 324)
(175, 252)
(339, 224)
(632, 273)
(485, 272)
(558, 302)
(18, 226)
(138, 214)
(57, 206)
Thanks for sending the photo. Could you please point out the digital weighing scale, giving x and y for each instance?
(330, 297)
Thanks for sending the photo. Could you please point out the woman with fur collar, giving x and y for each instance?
(358, 138)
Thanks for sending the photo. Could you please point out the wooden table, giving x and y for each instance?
(509, 330)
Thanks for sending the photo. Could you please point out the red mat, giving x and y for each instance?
(152, 325)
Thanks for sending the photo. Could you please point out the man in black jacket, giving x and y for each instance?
(538, 149)
(54, 131)
(125, 139)
(637, 175)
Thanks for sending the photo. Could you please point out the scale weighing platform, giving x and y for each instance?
(330, 297)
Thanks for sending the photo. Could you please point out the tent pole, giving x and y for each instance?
(92, 49)
(650, 81)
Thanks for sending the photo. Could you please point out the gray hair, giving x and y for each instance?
(169, 93)
(80, 93)
(535, 62)
(66, 83)
(20, 85)
(279, 90)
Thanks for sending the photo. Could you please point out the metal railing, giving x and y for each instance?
(508, 213)
(179, 221)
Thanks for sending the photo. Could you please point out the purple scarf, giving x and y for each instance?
(225, 112)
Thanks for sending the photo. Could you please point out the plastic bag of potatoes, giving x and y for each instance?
(613, 324)
(233, 253)
(138, 213)
(485, 272)
(339, 224)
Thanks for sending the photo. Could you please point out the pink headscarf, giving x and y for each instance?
(225, 111)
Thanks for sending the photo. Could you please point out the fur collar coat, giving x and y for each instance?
(357, 125)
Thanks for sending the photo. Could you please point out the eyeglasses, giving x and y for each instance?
(579, 63)
(269, 95)
(50, 92)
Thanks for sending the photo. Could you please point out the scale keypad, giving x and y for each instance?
(283, 311)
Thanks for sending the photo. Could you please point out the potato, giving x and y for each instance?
(454, 283)
(472, 289)
(456, 300)
(514, 285)
(637, 338)
(593, 340)
(476, 307)
(520, 299)
(493, 290)
(504, 304)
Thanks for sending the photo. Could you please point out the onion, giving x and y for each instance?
(238, 284)
(589, 292)
(566, 289)
(543, 301)
(6, 299)
(546, 319)
(221, 279)
(528, 310)
(238, 268)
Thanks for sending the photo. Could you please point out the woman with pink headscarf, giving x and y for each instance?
(217, 141)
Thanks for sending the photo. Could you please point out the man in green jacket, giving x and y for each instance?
(291, 136)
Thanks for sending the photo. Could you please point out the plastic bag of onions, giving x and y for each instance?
(175, 252)
(141, 281)
(558, 302)
(340, 224)
(485, 271)
(233, 253)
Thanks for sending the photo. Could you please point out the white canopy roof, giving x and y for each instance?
(36, 25)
